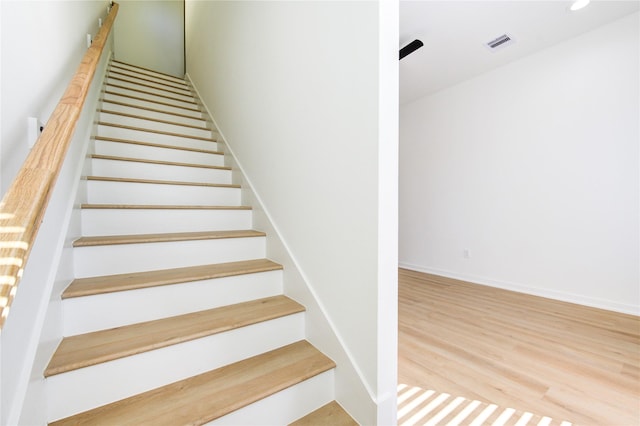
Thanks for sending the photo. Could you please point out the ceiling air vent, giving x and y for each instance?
(501, 41)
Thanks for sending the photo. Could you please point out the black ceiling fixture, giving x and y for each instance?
(410, 48)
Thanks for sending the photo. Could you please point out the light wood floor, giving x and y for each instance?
(550, 358)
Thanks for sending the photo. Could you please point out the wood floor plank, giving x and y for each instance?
(205, 397)
(331, 414)
(543, 356)
(155, 238)
(106, 345)
(131, 281)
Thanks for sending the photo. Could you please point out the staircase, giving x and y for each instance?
(175, 315)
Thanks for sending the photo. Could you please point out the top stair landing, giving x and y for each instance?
(141, 71)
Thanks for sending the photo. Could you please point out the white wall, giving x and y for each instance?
(296, 93)
(150, 34)
(32, 329)
(533, 168)
(42, 45)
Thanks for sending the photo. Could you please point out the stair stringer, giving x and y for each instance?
(351, 389)
(50, 266)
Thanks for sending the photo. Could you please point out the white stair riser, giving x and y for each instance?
(106, 192)
(154, 125)
(142, 136)
(147, 73)
(145, 82)
(172, 100)
(97, 222)
(286, 406)
(148, 104)
(91, 313)
(130, 150)
(137, 170)
(90, 387)
(154, 114)
(123, 258)
(148, 79)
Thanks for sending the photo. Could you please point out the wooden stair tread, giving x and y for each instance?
(165, 237)
(194, 109)
(160, 207)
(131, 281)
(161, 182)
(106, 345)
(149, 79)
(170, 77)
(160, 162)
(181, 85)
(205, 397)
(173, 80)
(331, 414)
(156, 145)
(124, 104)
(155, 120)
(178, 91)
(144, 92)
(160, 132)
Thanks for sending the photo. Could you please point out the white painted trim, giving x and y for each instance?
(388, 187)
(521, 288)
(58, 231)
(278, 235)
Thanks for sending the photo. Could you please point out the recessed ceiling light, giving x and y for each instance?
(579, 4)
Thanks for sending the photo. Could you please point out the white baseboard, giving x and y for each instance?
(535, 291)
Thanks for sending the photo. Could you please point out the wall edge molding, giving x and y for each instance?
(608, 305)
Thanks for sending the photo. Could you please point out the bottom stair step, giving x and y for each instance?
(203, 398)
(331, 414)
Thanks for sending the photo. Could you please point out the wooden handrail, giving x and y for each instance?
(26, 200)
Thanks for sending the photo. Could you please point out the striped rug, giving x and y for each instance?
(417, 406)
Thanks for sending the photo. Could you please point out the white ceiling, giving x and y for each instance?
(454, 33)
